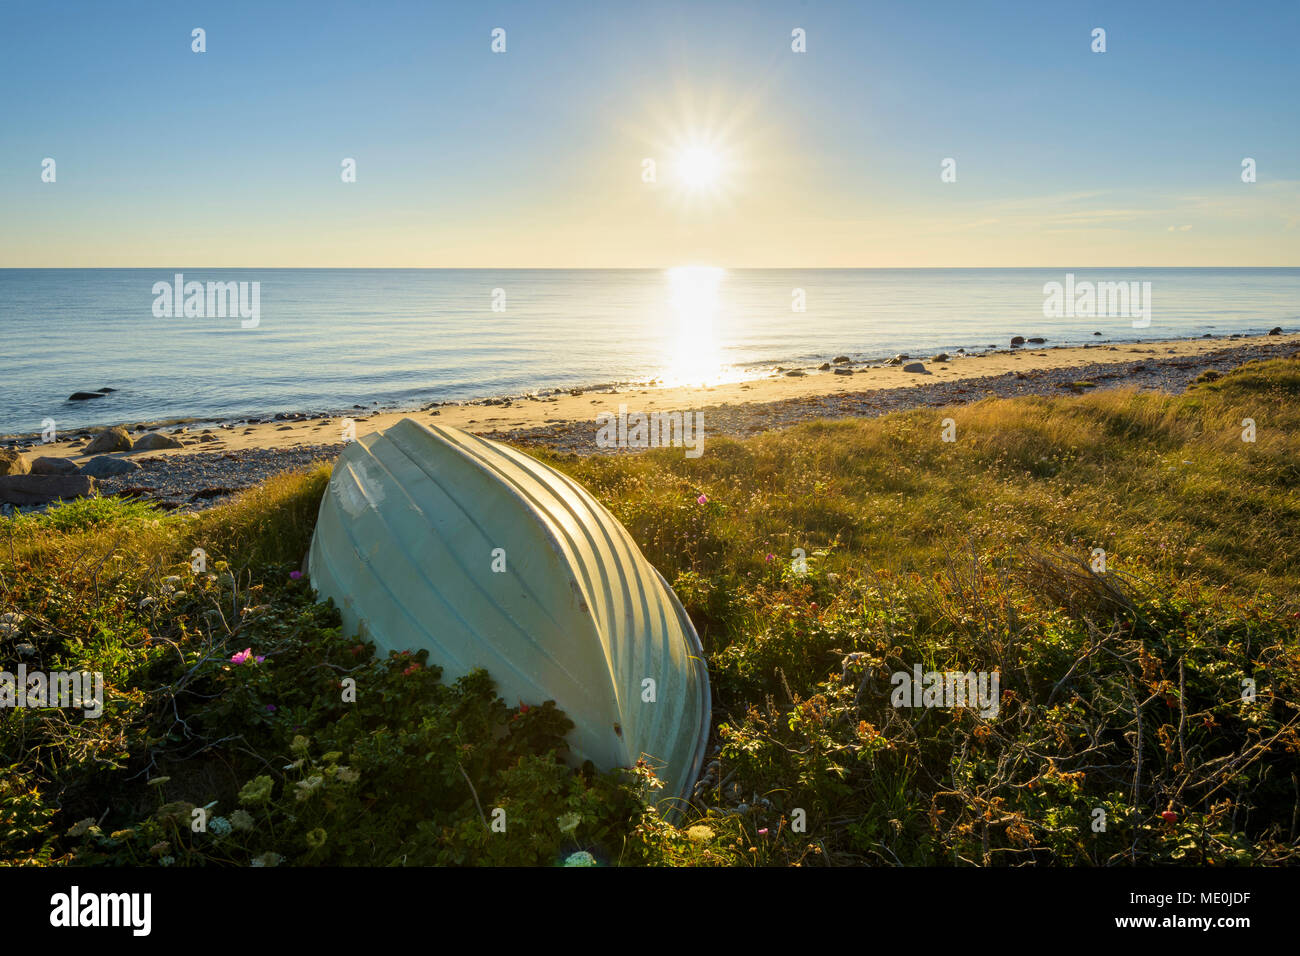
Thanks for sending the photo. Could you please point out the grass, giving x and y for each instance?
(824, 560)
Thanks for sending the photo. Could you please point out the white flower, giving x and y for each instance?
(700, 834)
(568, 822)
(309, 786)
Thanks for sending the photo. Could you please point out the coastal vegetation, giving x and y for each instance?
(1125, 562)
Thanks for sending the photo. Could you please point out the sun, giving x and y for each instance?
(699, 168)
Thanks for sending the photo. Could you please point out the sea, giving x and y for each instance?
(327, 340)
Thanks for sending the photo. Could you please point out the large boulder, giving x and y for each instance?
(109, 440)
(106, 467)
(39, 489)
(12, 462)
(54, 466)
(155, 441)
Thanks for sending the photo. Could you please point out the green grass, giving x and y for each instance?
(1122, 691)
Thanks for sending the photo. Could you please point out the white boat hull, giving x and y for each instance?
(433, 538)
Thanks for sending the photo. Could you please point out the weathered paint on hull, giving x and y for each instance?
(405, 545)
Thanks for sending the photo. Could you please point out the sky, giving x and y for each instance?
(763, 156)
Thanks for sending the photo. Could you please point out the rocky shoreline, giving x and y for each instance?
(740, 421)
(200, 479)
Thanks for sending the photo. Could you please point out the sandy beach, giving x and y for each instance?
(219, 458)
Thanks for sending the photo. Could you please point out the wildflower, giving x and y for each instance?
(702, 500)
(763, 832)
(271, 708)
(700, 834)
(81, 826)
(219, 826)
(257, 791)
(316, 839)
(267, 859)
(412, 669)
(770, 557)
(348, 775)
(581, 858)
(300, 744)
(241, 820)
(568, 822)
(242, 657)
(295, 575)
(309, 786)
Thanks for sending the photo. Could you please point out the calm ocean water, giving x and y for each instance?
(328, 339)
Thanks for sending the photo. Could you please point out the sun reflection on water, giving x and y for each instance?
(694, 356)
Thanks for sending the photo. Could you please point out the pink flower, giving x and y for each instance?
(702, 500)
(763, 832)
(771, 558)
(295, 575)
(242, 657)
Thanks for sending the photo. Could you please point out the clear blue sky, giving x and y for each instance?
(533, 157)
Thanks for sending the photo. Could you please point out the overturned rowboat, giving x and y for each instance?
(429, 537)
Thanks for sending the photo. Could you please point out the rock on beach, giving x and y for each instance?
(41, 489)
(109, 440)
